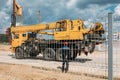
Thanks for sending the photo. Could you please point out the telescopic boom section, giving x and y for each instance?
(34, 28)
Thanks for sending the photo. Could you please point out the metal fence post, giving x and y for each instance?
(110, 47)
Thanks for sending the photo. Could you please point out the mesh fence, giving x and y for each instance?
(75, 49)
(116, 44)
(89, 63)
(88, 57)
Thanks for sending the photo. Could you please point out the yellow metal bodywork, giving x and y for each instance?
(74, 31)
(19, 9)
(33, 28)
(63, 30)
(17, 40)
(71, 29)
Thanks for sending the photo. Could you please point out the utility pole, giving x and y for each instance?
(14, 14)
(39, 17)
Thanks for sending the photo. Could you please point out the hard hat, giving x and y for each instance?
(65, 43)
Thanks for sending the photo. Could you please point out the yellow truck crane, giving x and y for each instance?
(25, 42)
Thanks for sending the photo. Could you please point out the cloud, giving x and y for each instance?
(2, 3)
(71, 3)
(4, 21)
(117, 10)
(53, 10)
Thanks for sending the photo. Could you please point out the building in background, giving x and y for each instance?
(116, 36)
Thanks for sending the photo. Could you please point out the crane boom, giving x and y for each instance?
(34, 28)
(19, 10)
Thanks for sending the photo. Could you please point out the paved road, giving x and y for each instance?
(93, 64)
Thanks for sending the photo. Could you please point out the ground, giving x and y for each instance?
(22, 72)
(91, 67)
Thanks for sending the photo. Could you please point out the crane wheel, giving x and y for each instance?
(25, 52)
(49, 54)
(19, 53)
(91, 47)
(86, 50)
(74, 56)
(35, 50)
(59, 54)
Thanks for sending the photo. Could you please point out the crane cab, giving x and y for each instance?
(69, 30)
(18, 39)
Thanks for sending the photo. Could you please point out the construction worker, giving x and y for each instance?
(65, 57)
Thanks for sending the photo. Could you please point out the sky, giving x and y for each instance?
(89, 11)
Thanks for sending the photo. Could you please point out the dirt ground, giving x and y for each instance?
(5, 47)
(13, 69)
(23, 72)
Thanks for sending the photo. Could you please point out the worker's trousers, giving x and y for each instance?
(65, 59)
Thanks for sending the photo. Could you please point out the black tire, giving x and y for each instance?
(49, 54)
(91, 47)
(25, 54)
(19, 53)
(35, 50)
(86, 53)
(59, 54)
(74, 56)
(86, 50)
(36, 47)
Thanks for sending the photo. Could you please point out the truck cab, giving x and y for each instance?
(18, 39)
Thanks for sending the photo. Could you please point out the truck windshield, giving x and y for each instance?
(16, 36)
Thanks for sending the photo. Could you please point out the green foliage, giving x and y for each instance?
(4, 38)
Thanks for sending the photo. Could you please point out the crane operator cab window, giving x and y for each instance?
(32, 35)
(62, 26)
(23, 35)
(16, 36)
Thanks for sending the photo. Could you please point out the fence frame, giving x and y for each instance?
(110, 47)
